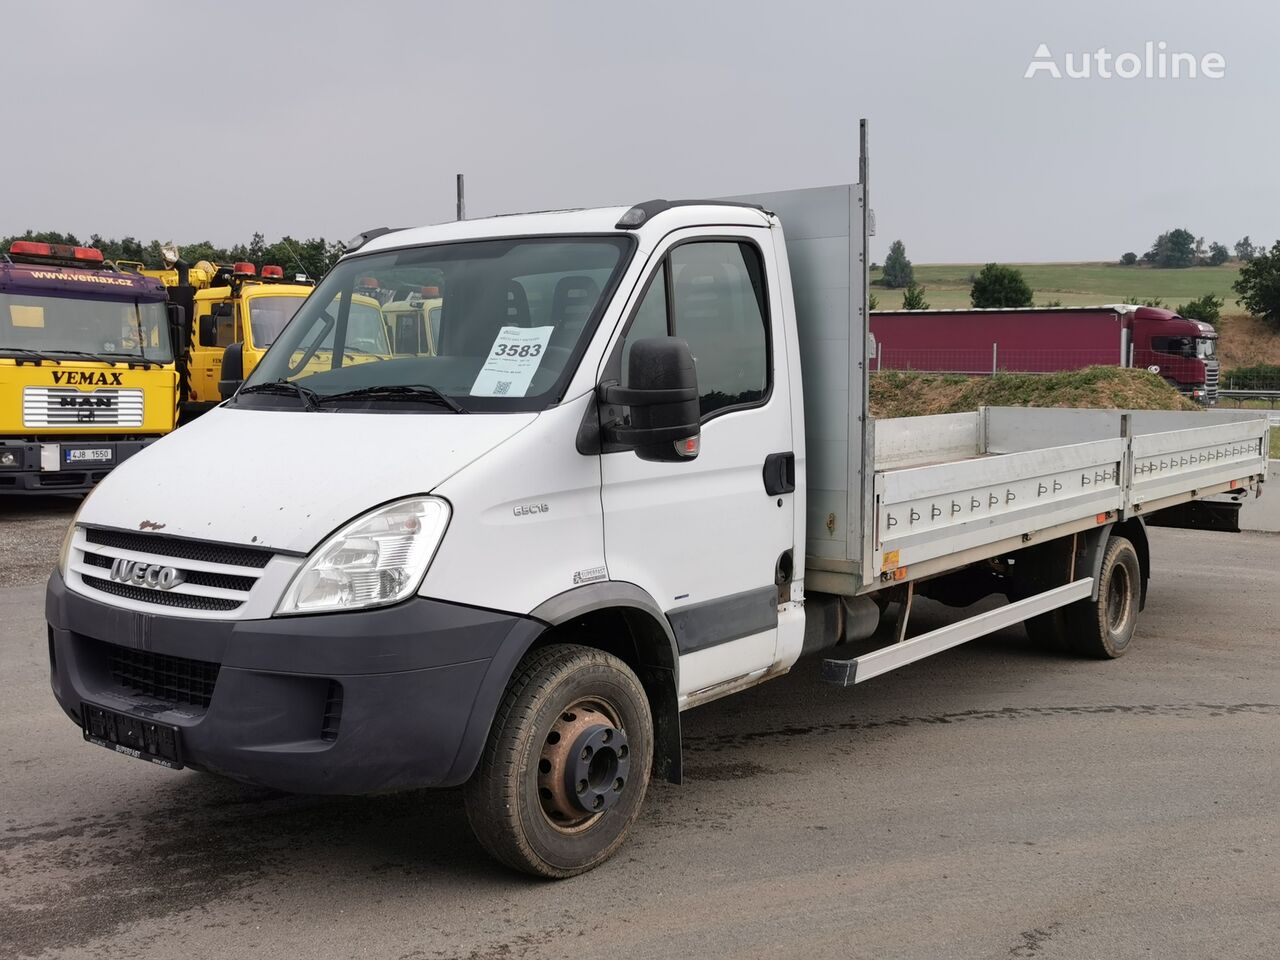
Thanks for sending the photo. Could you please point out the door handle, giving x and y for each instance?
(780, 473)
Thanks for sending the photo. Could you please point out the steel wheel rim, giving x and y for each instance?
(587, 725)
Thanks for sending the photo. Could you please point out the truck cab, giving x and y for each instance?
(1182, 351)
(413, 323)
(87, 375)
(236, 307)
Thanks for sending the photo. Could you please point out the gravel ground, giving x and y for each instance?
(31, 531)
(997, 801)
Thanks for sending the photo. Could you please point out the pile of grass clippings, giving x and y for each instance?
(900, 394)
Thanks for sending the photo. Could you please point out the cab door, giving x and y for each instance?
(706, 537)
(207, 346)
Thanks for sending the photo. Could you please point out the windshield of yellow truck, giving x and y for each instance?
(105, 328)
(268, 315)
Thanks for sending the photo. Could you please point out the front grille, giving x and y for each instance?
(201, 578)
(332, 712)
(165, 598)
(69, 407)
(1211, 375)
(200, 550)
(164, 677)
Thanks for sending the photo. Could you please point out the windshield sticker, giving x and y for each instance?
(513, 360)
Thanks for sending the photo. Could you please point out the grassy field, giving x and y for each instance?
(1075, 284)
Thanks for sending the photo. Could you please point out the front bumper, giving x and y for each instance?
(45, 467)
(417, 686)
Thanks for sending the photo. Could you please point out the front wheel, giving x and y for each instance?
(566, 766)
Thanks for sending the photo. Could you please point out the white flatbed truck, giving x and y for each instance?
(636, 473)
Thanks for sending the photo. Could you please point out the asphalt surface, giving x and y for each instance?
(996, 801)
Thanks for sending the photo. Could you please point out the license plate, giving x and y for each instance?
(132, 736)
(96, 454)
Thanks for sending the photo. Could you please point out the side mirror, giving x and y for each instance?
(177, 315)
(207, 334)
(663, 399)
(232, 370)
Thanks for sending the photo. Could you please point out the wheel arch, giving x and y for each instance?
(1135, 531)
(623, 619)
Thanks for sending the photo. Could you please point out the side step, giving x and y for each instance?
(845, 673)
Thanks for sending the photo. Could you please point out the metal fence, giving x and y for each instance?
(992, 359)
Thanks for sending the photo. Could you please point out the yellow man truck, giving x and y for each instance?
(87, 375)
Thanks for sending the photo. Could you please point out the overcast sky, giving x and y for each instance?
(210, 121)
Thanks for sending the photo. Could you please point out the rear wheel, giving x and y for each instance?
(1102, 628)
(566, 766)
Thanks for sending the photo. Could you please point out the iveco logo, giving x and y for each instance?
(146, 575)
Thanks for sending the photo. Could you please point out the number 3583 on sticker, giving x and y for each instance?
(513, 360)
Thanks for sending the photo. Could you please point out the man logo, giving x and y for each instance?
(141, 574)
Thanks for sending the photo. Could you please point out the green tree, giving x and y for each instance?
(1000, 286)
(873, 302)
(1208, 308)
(1259, 285)
(40, 236)
(1245, 250)
(913, 298)
(1177, 248)
(1129, 259)
(897, 268)
(1218, 254)
(203, 250)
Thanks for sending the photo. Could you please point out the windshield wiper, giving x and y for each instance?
(410, 391)
(100, 357)
(284, 387)
(146, 362)
(25, 354)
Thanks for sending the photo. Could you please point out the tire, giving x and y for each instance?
(564, 704)
(1104, 627)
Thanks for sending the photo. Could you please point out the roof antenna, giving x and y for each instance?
(296, 259)
(462, 199)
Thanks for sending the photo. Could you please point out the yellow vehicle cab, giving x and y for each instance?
(413, 324)
(245, 310)
(87, 372)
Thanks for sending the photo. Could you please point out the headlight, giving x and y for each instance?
(64, 555)
(376, 559)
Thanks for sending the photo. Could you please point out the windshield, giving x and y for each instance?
(268, 315)
(68, 325)
(491, 324)
(1207, 348)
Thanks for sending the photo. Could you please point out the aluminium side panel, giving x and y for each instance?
(1016, 429)
(824, 227)
(928, 512)
(1177, 462)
